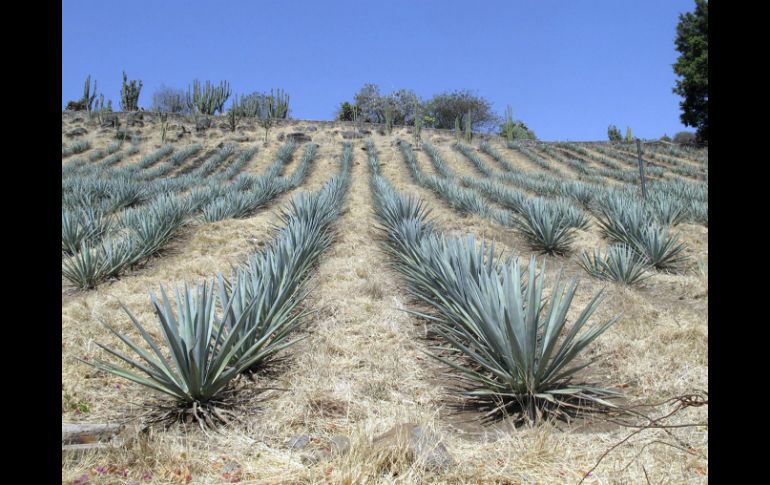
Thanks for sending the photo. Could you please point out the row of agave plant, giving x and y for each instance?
(77, 147)
(642, 227)
(638, 231)
(700, 155)
(691, 199)
(547, 225)
(89, 199)
(610, 168)
(505, 336)
(142, 231)
(630, 158)
(224, 327)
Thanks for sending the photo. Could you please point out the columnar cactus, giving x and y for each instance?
(209, 99)
(129, 94)
(88, 97)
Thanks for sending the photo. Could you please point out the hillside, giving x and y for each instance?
(362, 364)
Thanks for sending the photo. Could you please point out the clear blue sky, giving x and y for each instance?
(567, 68)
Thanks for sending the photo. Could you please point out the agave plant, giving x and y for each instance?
(206, 353)
(620, 264)
(546, 228)
(517, 357)
(659, 249)
(666, 209)
(93, 264)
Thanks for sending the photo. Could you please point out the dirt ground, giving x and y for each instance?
(362, 367)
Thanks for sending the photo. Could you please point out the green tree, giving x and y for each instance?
(613, 133)
(693, 67)
(346, 112)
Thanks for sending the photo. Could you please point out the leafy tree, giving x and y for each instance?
(445, 107)
(346, 112)
(169, 100)
(613, 133)
(692, 66)
(371, 103)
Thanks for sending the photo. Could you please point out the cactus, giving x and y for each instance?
(457, 129)
(209, 99)
(629, 137)
(508, 127)
(163, 117)
(280, 105)
(468, 128)
(232, 116)
(129, 94)
(88, 98)
(388, 117)
(275, 107)
(418, 121)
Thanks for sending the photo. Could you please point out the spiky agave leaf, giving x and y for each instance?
(620, 264)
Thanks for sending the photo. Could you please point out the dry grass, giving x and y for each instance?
(362, 367)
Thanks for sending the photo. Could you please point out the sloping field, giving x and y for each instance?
(138, 214)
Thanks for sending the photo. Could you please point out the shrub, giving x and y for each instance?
(613, 133)
(346, 112)
(685, 138)
(515, 130)
(169, 100)
(445, 107)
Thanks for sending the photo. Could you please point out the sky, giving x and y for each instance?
(568, 69)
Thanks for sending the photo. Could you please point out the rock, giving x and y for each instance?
(299, 137)
(76, 132)
(299, 442)
(311, 128)
(281, 136)
(381, 132)
(340, 445)
(76, 120)
(350, 135)
(424, 447)
(203, 124)
(110, 119)
(321, 451)
(365, 132)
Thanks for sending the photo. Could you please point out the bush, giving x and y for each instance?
(76, 106)
(444, 108)
(346, 112)
(516, 130)
(169, 100)
(373, 107)
(685, 138)
(613, 133)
